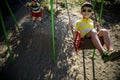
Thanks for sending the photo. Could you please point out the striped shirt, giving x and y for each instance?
(84, 26)
(35, 8)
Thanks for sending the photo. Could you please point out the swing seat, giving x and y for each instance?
(87, 43)
(84, 43)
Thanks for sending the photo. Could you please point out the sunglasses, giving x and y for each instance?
(86, 10)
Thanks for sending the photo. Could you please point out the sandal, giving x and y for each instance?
(104, 55)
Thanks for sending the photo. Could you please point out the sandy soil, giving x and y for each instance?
(34, 59)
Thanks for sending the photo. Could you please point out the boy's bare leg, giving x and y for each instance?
(106, 38)
(33, 19)
(39, 18)
(95, 39)
(34, 24)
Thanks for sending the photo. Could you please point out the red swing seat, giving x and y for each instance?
(84, 43)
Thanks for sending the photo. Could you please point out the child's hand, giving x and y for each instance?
(27, 4)
(42, 8)
(97, 24)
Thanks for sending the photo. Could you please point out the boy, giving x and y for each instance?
(36, 11)
(86, 28)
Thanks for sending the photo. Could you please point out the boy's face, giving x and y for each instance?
(86, 12)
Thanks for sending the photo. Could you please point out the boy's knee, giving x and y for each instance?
(104, 30)
(93, 31)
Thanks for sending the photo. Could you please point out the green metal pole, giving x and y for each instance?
(95, 3)
(101, 10)
(52, 24)
(12, 15)
(100, 17)
(5, 36)
(94, 26)
(94, 52)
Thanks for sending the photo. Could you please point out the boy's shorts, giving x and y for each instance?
(39, 14)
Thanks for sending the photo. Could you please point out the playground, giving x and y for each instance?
(47, 51)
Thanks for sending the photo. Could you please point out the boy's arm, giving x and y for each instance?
(40, 3)
(97, 24)
(28, 4)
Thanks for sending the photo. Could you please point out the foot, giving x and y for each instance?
(104, 55)
(111, 56)
(115, 54)
(111, 49)
(110, 52)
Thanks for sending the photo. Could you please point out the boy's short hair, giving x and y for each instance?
(87, 4)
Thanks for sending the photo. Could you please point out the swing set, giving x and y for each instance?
(79, 43)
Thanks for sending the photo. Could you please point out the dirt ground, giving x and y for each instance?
(34, 56)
